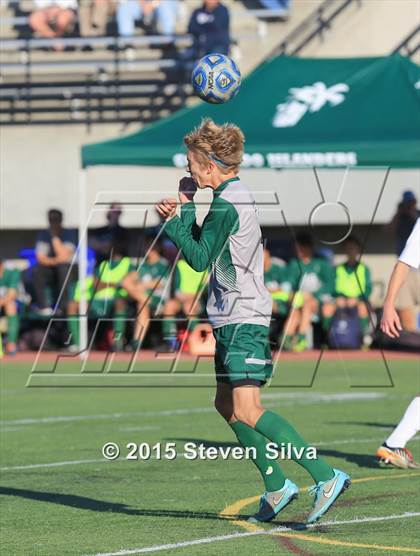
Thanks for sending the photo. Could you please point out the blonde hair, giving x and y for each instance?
(223, 144)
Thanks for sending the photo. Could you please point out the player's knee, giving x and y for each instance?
(171, 308)
(246, 415)
(362, 310)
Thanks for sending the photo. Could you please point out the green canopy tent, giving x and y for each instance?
(295, 113)
(298, 112)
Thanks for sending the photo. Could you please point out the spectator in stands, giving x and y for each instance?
(93, 17)
(147, 286)
(102, 238)
(53, 18)
(352, 285)
(275, 279)
(188, 287)
(54, 250)
(312, 279)
(106, 296)
(209, 26)
(404, 219)
(130, 11)
(280, 6)
(9, 281)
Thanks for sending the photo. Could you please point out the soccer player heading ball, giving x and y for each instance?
(239, 309)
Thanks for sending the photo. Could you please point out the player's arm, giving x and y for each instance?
(409, 258)
(41, 252)
(390, 322)
(63, 250)
(221, 221)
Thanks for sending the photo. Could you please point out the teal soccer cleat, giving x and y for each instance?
(326, 493)
(271, 503)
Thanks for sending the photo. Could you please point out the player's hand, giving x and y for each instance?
(390, 322)
(187, 190)
(166, 208)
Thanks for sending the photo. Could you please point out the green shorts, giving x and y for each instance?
(243, 354)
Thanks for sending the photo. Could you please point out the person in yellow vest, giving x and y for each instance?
(352, 286)
(106, 295)
(188, 286)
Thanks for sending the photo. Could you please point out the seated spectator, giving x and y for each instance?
(209, 26)
(312, 279)
(54, 251)
(352, 287)
(275, 279)
(147, 286)
(280, 6)
(106, 296)
(188, 287)
(53, 18)
(9, 281)
(102, 238)
(93, 17)
(130, 11)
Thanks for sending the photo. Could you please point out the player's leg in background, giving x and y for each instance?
(363, 312)
(10, 309)
(119, 322)
(169, 325)
(291, 327)
(142, 320)
(327, 312)
(393, 450)
(191, 307)
(309, 309)
(248, 437)
(73, 325)
(41, 277)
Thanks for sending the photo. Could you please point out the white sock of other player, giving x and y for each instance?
(407, 427)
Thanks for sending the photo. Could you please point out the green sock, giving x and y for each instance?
(326, 323)
(12, 329)
(250, 438)
(364, 323)
(74, 330)
(119, 325)
(301, 336)
(169, 329)
(288, 339)
(278, 430)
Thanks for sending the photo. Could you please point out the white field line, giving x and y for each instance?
(53, 464)
(181, 454)
(291, 400)
(239, 535)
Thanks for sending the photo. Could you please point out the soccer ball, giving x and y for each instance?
(216, 78)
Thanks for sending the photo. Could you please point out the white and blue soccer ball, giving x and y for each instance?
(216, 78)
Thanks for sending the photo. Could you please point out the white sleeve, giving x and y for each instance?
(411, 252)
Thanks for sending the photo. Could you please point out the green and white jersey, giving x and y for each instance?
(229, 244)
(148, 271)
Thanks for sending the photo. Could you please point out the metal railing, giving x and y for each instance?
(410, 45)
(314, 26)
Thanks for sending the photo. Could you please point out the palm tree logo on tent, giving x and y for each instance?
(308, 99)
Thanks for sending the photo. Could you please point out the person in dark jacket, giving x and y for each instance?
(209, 26)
